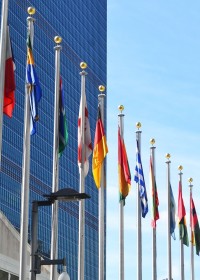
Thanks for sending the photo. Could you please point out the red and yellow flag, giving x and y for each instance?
(123, 169)
(155, 201)
(100, 150)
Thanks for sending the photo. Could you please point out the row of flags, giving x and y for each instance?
(35, 94)
(124, 186)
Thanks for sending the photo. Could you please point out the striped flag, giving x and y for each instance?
(84, 137)
(155, 201)
(63, 133)
(139, 179)
(183, 235)
(32, 80)
(100, 150)
(124, 174)
(195, 238)
(172, 214)
(9, 86)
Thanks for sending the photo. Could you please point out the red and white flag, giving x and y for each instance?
(84, 136)
(9, 86)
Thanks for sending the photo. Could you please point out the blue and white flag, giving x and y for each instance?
(139, 178)
(172, 214)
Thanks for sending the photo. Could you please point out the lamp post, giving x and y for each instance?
(66, 194)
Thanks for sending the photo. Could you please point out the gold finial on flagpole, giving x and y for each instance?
(168, 156)
(83, 65)
(57, 39)
(180, 167)
(152, 141)
(121, 108)
(101, 88)
(190, 180)
(138, 125)
(31, 10)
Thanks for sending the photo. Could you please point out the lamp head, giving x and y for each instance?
(66, 194)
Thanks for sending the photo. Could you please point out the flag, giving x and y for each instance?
(84, 137)
(172, 214)
(155, 201)
(195, 238)
(63, 133)
(9, 86)
(124, 174)
(182, 218)
(100, 150)
(139, 179)
(32, 81)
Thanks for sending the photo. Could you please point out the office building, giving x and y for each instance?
(83, 26)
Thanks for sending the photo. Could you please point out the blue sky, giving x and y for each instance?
(153, 70)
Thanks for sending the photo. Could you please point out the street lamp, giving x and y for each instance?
(66, 194)
(64, 275)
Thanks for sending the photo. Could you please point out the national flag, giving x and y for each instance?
(182, 218)
(124, 174)
(172, 214)
(100, 150)
(9, 86)
(155, 201)
(84, 137)
(63, 133)
(32, 82)
(139, 179)
(195, 238)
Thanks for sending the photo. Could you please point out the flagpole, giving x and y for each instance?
(25, 169)
(180, 168)
(190, 180)
(168, 218)
(101, 98)
(139, 224)
(154, 251)
(121, 206)
(4, 19)
(55, 176)
(81, 248)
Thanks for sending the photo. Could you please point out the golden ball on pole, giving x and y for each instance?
(152, 141)
(31, 10)
(180, 167)
(138, 125)
(57, 39)
(121, 108)
(190, 180)
(101, 88)
(83, 65)
(168, 156)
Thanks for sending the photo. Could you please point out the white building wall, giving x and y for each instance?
(9, 250)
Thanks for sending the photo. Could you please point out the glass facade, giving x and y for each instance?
(82, 25)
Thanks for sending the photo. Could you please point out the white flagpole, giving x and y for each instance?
(180, 168)
(4, 18)
(121, 207)
(55, 176)
(192, 247)
(168, 219)
(154, 251)
(81, 248)
(25, 168)
(101, 97)
(139, 224)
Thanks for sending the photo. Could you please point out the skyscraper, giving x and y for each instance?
(82, 25)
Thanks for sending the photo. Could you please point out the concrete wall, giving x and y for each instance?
(9, 250)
